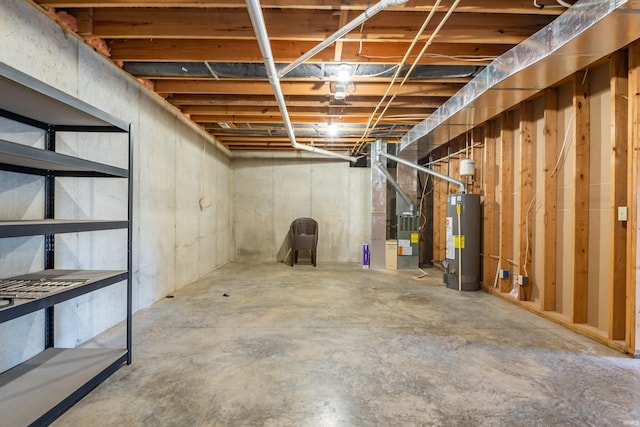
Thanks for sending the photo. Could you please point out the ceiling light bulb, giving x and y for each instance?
(340, 93)
(344, 73)
(332, 130)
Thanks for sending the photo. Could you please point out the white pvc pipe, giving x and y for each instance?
(367, 14)
(260, 29)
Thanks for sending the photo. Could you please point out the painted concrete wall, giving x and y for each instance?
(270, 193)
(176, 241)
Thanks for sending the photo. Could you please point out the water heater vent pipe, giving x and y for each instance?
(454, 181)
(395, 185)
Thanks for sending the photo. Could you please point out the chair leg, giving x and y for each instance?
(313, 257)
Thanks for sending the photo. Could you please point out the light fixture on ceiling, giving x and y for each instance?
(344, 73)
(332, 130)
(340, 92)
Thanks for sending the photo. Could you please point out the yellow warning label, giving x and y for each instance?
(414, 237)
(458, 241)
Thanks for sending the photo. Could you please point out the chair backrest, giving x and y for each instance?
(307, 226)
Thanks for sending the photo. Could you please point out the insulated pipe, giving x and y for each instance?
(395, 185)
(367, 14)
(260, 29)
(425, 170)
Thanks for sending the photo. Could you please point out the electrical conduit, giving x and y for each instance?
(259, 27)
(359, 20)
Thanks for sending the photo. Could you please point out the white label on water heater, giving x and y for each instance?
(451, 250)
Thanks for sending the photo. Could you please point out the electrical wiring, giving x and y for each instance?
(360, 143)
(542, 6)
(564, 148)
(465, 58)
(408, 73)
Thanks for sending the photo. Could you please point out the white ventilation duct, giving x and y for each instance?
(586, 32)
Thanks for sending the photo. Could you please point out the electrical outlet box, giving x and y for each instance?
(522, 280)
(622, 213)
(504, 274)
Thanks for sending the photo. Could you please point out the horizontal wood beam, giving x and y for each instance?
(190, 100)
(173, 50)
(250, 87)
(468, 6)
(295, 119)
(309, 25)
(304, 111)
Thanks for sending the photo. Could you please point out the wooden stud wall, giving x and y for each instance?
(550, 202)
(494, 149)
(580, 256)
(506, 196)
(489, 167)
(619, 85)
(633, 179)
(526, 222)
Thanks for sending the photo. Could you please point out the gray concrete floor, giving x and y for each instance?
(340, 346)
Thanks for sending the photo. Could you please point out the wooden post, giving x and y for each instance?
(527, 202)
(438, 221)
(550, 202)
(633, 286)
(619, 83)
(488, 211)
(580, 253)
(477, 138)
(506, 196)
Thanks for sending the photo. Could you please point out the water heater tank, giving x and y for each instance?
(463, 227)
(467, 167)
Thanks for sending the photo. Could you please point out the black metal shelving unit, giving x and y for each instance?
(40, 389)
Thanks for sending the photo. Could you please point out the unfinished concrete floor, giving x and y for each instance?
(340, 346)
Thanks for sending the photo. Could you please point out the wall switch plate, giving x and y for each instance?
(622, 213)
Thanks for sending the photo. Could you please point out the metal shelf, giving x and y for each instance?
(56, 226)
(22, 158)
(88, 281)
(39, 390)
(28, 97)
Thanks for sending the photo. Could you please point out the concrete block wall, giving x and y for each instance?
(177, 239)
(269, 193)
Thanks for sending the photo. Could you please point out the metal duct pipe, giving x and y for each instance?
(425, 170)
(260, 29)
(395, 184)
(359, 20)
(584, 33)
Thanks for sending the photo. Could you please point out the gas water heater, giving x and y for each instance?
(462, 263)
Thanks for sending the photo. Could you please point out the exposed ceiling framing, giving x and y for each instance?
(202, 57)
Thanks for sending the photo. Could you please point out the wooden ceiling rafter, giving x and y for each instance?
(242, 113)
